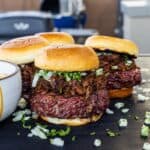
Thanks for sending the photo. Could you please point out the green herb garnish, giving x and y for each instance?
(73, 138)
(23, 121)
(112, 133)
(64, 132)
(93, 133)
(67, 75)
(61, 132)
(70, 75)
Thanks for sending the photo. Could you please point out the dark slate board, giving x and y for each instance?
(128, 140)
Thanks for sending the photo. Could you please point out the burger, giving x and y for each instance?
(57, 37)
(117, 57)
(22, 51)
(67, 88)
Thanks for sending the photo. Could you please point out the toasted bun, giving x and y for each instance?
(22, 50)
(67, 58)
(112, 43)
(120, 93)
(72, 122)
(57, 37)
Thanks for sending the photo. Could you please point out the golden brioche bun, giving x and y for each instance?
(72, 122)
(120, 93)
(67, 58)
(112, 43)
(22, 50)
(57, 37)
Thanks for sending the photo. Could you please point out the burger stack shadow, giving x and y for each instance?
(72, 84)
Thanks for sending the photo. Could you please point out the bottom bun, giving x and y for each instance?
(72, 122)
(120, 93)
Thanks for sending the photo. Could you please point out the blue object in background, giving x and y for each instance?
(65, 22)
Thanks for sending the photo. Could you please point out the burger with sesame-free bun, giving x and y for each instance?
(117, 57)
(68, 89)
(22, 51)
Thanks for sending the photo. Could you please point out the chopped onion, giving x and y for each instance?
(125, 110)
(145, 131)
(139, 88)
(35, 80)
(109, 111)
(22, 66)
(99, 54)
(48, 75)
(143, 81)
(146, 146)
(128, 62)
(42, 129)
(144, 70)
(18, 117)
(99, 71)
(26, 118)
(36, 131)
(57, 142)
(147, 121)
(22, 103)
(146, 90)
(134, 92)
(147, 114)
(142, 98)
(123, 123)
(97, 142)
(119, 105)
(29, 135)
(83, 74)
(19, 114)
(114, 67)
(35, 115)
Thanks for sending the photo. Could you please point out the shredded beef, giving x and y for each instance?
(85, 87)
(70, 99)
(124, 76)
(27, 72)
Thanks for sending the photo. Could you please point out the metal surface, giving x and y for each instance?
(129, 138)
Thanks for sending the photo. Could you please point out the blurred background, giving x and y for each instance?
(81, 18)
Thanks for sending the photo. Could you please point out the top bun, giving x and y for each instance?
(67, 58)
(57, 37)
(22, 50)
(112, 43)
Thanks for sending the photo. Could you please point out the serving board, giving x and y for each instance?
(129, 138)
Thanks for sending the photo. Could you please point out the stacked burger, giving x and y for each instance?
(68, 90)
(71, 84)
(22, 51)
(117, 58)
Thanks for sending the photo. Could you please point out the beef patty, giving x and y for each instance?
(120, 70)
(59, 98)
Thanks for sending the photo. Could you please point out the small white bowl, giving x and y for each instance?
(10, 88)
